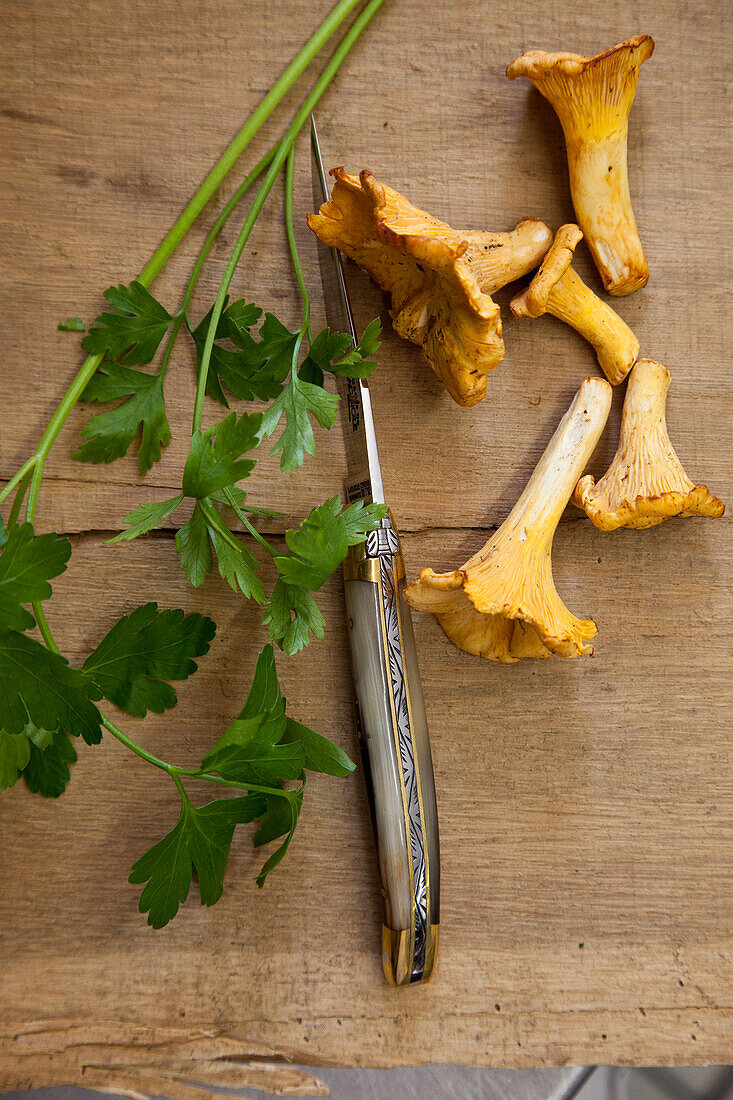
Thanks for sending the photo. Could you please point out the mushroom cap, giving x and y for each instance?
(430, 271)
(591, 95)
(532, 302)
(501, 621)
(646, 483)
(537, 65)
(608, 514)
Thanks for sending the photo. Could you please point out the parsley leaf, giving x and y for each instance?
(321, 542)
(108, 436)
(47, 771)
(240, 317)
(40, 687)
(236, 562)
(248, 752)
(321, 755)
(264, 695)
(257, 748)
(71, 324)
(244, 371)
(27, 562)
(194, 548)
(133, 332)
(146, 516)
(15, 752)
(281, 817)
(277, 819)
(327, 346)
(214, 461)
(213, 466)
(298, 402)
(278, 344)
(258, 763)
(334, 353)
(262, 747)
(199, 841)
(266, 747)
(370, 342)
(293, 615)
(145, 649)
(43, 759)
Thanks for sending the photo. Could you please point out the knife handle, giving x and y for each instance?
(393, 733)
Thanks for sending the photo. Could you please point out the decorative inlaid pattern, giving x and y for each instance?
(383, 544)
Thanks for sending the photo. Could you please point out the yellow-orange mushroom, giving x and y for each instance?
(503, 604)
(558, 289)
(645, 484)
(592, 97)
(440, 280)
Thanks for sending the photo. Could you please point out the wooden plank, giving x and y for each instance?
(112, 158)
(581, 802)
(577, 806)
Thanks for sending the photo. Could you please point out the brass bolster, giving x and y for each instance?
(358, 567)
(397, 948)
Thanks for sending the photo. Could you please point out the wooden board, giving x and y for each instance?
(581, 802)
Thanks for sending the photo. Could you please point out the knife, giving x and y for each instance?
(390, 709)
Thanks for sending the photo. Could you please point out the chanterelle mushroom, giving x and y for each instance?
(645, 484)
(440, 280)
(559, 290)
(592, 97)
(503, 604)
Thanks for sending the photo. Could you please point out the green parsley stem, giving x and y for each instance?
(247, 524)
(54, 426)
(218, 224)
(176, 772)
(25, 469)
(44, 628)
(281, 154)
(181, 789)
(238, 195)
(173, 336)
(292, 245)
(133, 745)
(243, 138)
(19, 496)
(184, 222)
(192, 773)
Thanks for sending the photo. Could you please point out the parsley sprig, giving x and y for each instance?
(243, 353)
(45, 701)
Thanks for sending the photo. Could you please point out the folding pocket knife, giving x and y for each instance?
(391, 720)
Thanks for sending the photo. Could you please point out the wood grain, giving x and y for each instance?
(582, 802)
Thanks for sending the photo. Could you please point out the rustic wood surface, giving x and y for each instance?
(585, 806)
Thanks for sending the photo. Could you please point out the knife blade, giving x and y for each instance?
(391, 721)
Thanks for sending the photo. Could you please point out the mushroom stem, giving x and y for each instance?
(592, 97)
(501, 258)
(646, 483)
(559, 290)
(615, 345)
(549, 489)
(503, 604)
(599, 185)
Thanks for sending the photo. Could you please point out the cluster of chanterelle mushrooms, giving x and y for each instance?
(503, 604)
